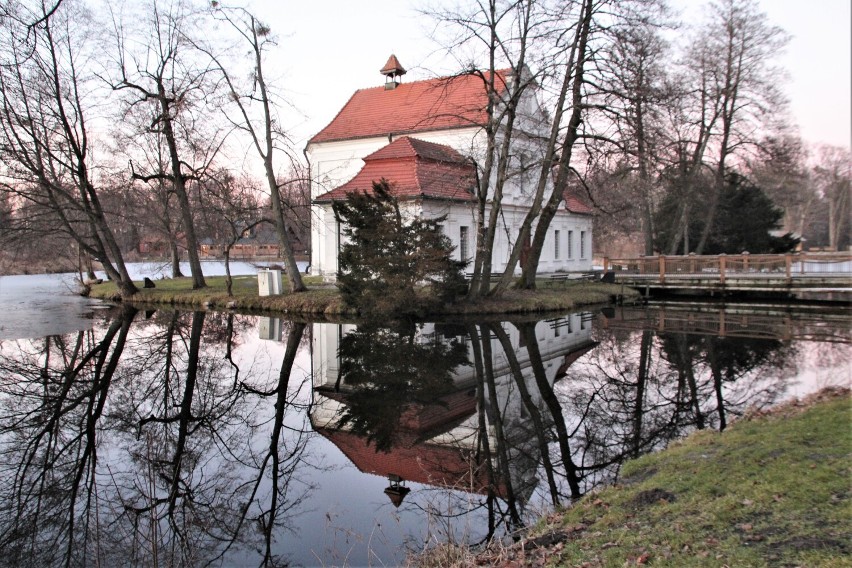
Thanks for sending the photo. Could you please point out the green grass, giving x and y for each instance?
(767, 492)
(771, 491)
(323, 299)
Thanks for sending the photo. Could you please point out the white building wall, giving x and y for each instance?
(335, 163)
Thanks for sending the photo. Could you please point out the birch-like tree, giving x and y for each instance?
(519, 47)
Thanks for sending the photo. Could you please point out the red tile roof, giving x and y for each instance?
(576, 205)
(414, 169)
(436, 104)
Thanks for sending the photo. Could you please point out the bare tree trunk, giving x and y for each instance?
(555, 201)
(228, 280)
(179, 184)
(255, 33)
(176, 271)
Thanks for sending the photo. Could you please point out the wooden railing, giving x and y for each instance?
(721, 267)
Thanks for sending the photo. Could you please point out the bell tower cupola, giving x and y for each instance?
(392, 71)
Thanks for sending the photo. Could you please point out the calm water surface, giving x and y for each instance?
(168, 438)
(46, 304)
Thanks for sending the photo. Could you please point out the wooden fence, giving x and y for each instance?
(722, 267)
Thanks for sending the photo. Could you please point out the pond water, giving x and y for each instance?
(192, 438)
(46, 304)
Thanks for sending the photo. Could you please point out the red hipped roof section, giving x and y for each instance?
(576, 205)
(414, 168)
(436, 104)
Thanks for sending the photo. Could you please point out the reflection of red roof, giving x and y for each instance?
(421, 106)
(414, 168)
(430, 464)
(422, 417)
(571, 357)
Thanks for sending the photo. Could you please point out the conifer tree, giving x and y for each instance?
(391, 264)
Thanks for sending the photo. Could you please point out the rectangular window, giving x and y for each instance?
(556, 245)
(464, 251)
(582, 244)
(570, 244)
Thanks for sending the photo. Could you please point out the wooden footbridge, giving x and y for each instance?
(795, 273)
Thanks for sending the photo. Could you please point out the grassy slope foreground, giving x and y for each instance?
(772, 490)
(325, 300)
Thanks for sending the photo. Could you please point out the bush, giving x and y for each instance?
(391, 265)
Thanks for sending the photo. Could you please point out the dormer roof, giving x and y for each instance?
(414, 169)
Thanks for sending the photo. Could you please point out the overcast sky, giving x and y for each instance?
(329, 48)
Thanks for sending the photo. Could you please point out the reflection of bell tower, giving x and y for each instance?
(396, 490)
(392, 71)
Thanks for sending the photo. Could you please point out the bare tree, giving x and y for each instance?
(520, 35)
(234, 204)
(168, 85)
(259, 125)
(629, 90)
(781, 170)
(833, 174)
(44, 129)
(745, 87)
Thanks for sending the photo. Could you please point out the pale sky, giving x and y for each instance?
(329, 48)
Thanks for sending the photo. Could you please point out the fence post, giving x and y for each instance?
(745, 261)
(722, 268)
(692, 263)
(788, 267)
(662, 269)
(606, 264)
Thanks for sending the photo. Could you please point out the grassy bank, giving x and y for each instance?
(324, 300)
(772, 490)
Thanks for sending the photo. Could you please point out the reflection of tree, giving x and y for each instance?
(196, 418)
(386, 370)
(710, 363)
(556, 415)
(284, 455)
(159, 458)
(491, 417)
(638, 392)
(53, 401)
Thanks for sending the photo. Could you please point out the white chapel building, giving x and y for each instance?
(420, 136)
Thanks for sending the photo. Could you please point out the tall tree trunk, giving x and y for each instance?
(175, 253)
(179, 184)
(556, 197)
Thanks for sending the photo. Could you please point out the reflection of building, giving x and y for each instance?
(443, 441)
(269, 328)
